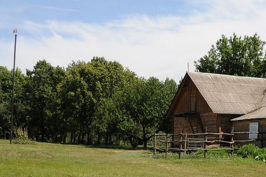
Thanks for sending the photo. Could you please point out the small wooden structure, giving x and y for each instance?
(219, 102)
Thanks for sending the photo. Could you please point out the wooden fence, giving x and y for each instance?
(187, 142)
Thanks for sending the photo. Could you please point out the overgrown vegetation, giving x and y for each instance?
(253, 151)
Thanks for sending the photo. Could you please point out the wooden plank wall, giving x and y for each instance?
(197, 102)
(243, 126)
(224, 121)
(191, 100)
(209, 120)
(181, 125)
(181, 106)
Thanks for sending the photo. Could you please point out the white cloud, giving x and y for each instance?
(151, 46)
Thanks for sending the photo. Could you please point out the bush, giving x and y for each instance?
(22, 137)
(252, 150)
(248, 150)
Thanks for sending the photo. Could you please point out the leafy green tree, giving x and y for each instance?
(20, 106)
(89, 102)
(87, 95)
(5, 101)
(105, 124)
(109, 78)
(54, 107)
(235, 56)
(5, 84)
(78, 101)
(5, 97)
(141, 108)
(42, 97)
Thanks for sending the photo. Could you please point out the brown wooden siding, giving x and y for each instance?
(224, 121)
(190, 100)
(181, 124)
(243, 126)
(209, 120)
(182, 102)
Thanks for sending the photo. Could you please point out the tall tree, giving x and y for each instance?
(235, 56)
(110, 77)
(20, 114)
(78, 101)
(5, 97)
(55, 117)
(42, 94)
(87, 95)
(141, 107)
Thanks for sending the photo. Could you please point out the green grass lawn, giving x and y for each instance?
(44, 159)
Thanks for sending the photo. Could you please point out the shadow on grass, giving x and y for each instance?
(122, 147)
(114, 147)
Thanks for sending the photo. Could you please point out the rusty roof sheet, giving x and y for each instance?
(257, 114)
(227, 94)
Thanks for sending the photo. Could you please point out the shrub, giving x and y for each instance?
(22, 137)
(262, 154)
(252, 150)
(248, 150)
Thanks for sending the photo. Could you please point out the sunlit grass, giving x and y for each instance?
(44, 159)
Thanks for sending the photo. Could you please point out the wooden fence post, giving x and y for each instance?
(180, 145)
(154, 144)
(205, 144)
(232, 142)
(220, 134)
(185, 145)
(166, 150)
(261, 135)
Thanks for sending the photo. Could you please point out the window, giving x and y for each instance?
(253, 129)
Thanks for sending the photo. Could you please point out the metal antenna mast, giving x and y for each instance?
(13, 85)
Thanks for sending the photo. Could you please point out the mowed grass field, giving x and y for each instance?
(45, 159)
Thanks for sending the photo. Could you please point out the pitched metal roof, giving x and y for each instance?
(227, 94)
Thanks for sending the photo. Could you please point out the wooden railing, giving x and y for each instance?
(187, 142)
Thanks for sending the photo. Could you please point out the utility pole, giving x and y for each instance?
(13, 85)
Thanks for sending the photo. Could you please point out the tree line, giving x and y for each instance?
(96, 102)
(101, 102)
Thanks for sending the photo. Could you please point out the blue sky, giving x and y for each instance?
(90, 11)
(151, 37)
(16, 12)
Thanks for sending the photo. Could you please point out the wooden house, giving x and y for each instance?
(219, 101)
